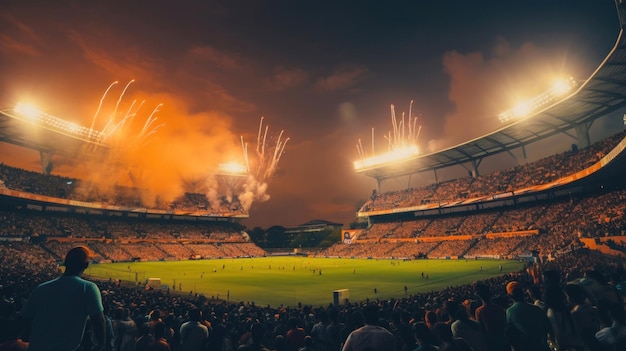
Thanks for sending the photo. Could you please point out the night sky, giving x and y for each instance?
(323, 72)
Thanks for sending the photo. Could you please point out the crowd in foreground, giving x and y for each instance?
(572, 303)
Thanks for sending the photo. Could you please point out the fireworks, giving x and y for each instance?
(120, 124)
(231, 183)
(267, 156)
(119, 165)
(401, 141)
(114, 161)
(263, 168)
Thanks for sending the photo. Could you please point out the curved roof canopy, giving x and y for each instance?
(601, 94)
(45, 138)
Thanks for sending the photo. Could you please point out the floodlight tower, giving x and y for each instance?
(561, 90)
(27, 126)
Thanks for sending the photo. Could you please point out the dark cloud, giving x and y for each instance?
(287, 78)
(342, 78)
(212, 55)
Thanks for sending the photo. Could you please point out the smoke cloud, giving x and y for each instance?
(482, 85)
(164, 156)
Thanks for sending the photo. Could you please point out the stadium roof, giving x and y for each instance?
(602, 93)
(43, 138)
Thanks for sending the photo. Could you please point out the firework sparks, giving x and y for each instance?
(268, 156)
(263, 168)
(93, 122)
(120, 125)
(121, 139)
(402, 139)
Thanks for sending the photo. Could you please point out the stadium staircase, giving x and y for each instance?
(52, 253)
(471, 245)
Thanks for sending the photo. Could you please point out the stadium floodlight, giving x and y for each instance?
(32, 114)
(402, 143)
(29, 111)
(396, 155)
(558, 91)
(232, 168)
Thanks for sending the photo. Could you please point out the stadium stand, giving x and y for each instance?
(75, 189)
(548, 223)
(536, 173)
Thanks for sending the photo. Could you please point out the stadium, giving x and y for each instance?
(564, 212)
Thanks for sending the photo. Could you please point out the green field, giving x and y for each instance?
(287, 281)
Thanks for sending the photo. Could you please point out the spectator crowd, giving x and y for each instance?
(575, 302)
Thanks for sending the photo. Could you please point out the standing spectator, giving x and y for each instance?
(558, 312)
(353, 323)
(109, 334)
(602, 294)
(57, 310)
(193, 334)
(256, 339)
(334, 329)
(308, 344)
(153, 339)
(145, 339)
(160, 341)
(140, 316)
(431, 318)
(370, 337)
(586, 317)
(154, 318)
(219, 338)
(465, 328)
(295, 335)
(425, 338)
(527, 324)
(280, 325)
(492, 319)
(125, 330)
(447, 341)
(280, 344)
(321, 339)
(402, 332)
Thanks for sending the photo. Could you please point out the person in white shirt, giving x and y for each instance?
(370, 337)
(193, 334)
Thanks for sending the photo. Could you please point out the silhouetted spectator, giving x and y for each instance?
(56, 320)
(529, 323)
(370, 337)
